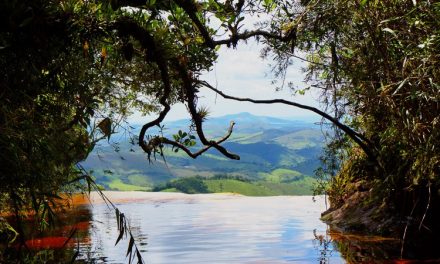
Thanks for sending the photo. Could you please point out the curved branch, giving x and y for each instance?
(130, 27)
(191, 10)
(355, 136)
(127, 26)
(249, 34)
(201, 151)
(191, 99)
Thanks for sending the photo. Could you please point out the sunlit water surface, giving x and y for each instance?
(213, 228)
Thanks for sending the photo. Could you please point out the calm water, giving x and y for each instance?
(213, 228)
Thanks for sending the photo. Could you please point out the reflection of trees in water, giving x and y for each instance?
(92, 250)
(355, 248)
(103, 229)
(58, 243)
(323, 244)
(367, 251)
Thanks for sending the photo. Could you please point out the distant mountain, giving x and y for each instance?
(244, 123)
(265, 145)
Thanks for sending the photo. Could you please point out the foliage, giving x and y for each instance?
(61, 92)
(189, 185)
(72, 70)
(235, 184)
(376, 63)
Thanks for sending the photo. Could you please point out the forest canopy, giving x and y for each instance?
(73, 70)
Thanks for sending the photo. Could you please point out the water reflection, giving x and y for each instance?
(371, 249)
(217, 229)
(324, 245)
(60, 241)
(177, 228)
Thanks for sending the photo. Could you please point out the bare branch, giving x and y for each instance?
(355, 136)
(191, 103)
(427, 206)
(201, 151)
(129, 27)
(191, 10)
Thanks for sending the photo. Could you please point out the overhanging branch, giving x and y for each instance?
(128, 27)
(191, 10)
(201, 151)
(355, 136)
(190, 91)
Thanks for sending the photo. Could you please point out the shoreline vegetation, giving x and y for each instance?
(73, 73)
(222, 184)
(79, 202)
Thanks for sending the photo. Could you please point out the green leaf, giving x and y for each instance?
(121, 233)
(364, 3)
(106, 127)
(130, 245)
(122, 228)
(402, 83)
(117, 217)
(88, 184)
(389, 30)
(139, 256)
(74, 257)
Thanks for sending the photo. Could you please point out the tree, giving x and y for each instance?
(376, 64)
(67, 86)
(60, 94)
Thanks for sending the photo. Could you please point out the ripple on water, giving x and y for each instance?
(178, 228)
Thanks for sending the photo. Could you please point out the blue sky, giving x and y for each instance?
(242, 73)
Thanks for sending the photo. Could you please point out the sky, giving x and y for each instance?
(242, 72)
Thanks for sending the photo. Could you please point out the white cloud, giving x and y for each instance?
(241, 72)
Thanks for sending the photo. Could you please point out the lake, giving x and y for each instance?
(211, 228)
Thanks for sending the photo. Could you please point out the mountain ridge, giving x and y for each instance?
(264, 144)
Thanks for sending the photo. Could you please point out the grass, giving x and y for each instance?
(138, 180)
(303, 187)
(261, 188)
(235, 186)
(282, 176)
(170, 190)
(247, 138)
(277, 182)
(300, 139)
(117, 184)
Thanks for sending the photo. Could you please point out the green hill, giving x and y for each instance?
(217, 184)
(277, 153)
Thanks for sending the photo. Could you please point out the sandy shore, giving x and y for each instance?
(162, 197)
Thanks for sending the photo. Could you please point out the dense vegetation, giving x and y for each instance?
(377, 62)
(239, 185)
(71, 70)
